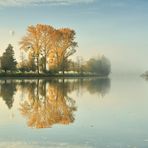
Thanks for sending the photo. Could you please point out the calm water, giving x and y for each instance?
(74, 113)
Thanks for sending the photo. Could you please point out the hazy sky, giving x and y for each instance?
(116, 28)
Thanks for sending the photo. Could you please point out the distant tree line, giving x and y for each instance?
(45, 49)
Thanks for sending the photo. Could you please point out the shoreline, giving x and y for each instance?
(46, 76)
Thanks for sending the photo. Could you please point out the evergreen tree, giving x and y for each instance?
(8, 96)
(8, 62)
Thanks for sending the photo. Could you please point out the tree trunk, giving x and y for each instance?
(63, 70)
(45, 63)
(37, 92)
(63, 67)
(38, 70)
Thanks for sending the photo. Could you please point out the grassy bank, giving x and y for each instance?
(44, 75)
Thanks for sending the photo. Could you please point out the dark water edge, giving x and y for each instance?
(47, 76)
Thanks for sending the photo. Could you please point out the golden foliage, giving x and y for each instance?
(63, 47)
(55, 45)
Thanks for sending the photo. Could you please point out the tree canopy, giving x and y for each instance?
(100, 66)
(48, 45)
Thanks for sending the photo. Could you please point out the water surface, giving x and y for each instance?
(74, 113)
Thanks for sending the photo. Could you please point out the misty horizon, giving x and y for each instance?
(117, 29)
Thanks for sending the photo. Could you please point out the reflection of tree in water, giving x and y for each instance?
(100, 86)
(48, 104)
(7, 91)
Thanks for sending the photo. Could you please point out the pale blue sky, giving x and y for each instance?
(115, 28)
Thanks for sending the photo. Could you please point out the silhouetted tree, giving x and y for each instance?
(8, 61)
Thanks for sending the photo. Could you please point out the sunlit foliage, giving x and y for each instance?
(49, 46)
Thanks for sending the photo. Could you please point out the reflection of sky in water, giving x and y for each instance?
(119, 119)
(40, 145)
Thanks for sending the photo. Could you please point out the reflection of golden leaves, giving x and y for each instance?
(44, 111)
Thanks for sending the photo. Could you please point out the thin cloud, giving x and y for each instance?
(19, 3)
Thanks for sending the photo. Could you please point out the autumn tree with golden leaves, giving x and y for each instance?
(49, 45)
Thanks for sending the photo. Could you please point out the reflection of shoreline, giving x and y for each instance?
(47, 76)
(45, 103)
(93, 85)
